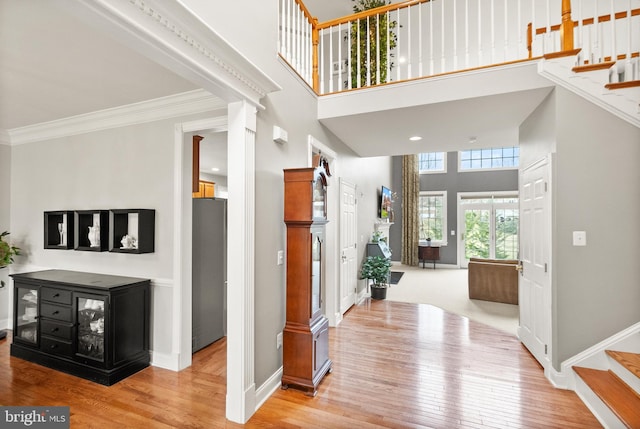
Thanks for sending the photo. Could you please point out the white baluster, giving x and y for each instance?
(321, 70)
(409, 59)
(442, 65)
(398, 44)
(420, 74)
(340, 60)
(506, 32)
(598, 45)
(455, 36)
(431, 55)
(358, 53)
(493, 32)
(377, 49)
(480, 60)
(388, 62)
(331, 30)
(368, 35)
(614, 51)
(466, 34)
(628, 69)
(349, 61)
(533, 29)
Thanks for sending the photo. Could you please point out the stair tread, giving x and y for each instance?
(620, 85)
(592, 67)
(619, 397)
(631, 361)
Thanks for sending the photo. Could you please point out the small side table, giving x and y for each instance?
(429, 253)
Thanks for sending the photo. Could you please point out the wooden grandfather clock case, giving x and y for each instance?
(306, 333)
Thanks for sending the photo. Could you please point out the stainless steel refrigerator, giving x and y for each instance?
(209, 271)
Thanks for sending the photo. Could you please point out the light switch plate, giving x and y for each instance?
(280, 257)
(579, 238)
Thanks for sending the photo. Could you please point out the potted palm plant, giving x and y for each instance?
(378, 269)
(7, 252)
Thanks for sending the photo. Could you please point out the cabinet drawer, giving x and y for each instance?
(57, 312)
(56, 295)
(59, 347)
(56, 329)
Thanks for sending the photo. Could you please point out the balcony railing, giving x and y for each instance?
(421, 38)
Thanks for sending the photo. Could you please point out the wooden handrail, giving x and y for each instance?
(590, 21)
(306, 12)
(370, 12)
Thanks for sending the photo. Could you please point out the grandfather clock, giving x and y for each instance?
(306, 333)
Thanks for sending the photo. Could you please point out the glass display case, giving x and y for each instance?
(91, 319)
(26, 328)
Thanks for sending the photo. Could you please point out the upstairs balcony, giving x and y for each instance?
(391, 57)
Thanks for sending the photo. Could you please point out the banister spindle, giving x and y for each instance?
(420, 71)
(388, 51)
(378, 49)
(466, 34)
(566, 28)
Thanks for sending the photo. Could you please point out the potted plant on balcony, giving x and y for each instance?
(7, 252)
(378, 269)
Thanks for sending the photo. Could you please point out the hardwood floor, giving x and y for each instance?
(395, 365)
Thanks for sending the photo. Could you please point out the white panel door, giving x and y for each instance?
(535, 258)
(348, 243)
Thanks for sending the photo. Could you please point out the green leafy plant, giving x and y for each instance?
(7, 252)
(385, 42)
(376, 268)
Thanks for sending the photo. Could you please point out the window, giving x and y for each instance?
(432, 162)
(432, 212)
(494, 158)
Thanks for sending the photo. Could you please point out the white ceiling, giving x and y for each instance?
(53, 66)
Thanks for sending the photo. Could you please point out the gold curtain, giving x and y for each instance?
(410, 200)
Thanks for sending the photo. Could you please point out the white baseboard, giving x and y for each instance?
(361, 296)
(4, 324)
(165, 360)
(566, 378)
(268, 387)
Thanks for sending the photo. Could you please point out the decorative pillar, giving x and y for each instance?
(241, 398)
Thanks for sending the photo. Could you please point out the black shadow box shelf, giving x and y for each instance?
(86, 219)
(59, 230)
(136, 223)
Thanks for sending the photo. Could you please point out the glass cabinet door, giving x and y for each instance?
(316, 270)
(91, 321)
(26, 327)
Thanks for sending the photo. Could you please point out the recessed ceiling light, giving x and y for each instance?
(215, 169)
(473, 140)
(415, 138)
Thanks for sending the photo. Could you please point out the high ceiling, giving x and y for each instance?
(53, 66)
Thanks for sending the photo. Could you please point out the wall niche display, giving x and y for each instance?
(133, 230)
(92, 230)
(59, 230)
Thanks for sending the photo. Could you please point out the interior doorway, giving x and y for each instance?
(209, 239)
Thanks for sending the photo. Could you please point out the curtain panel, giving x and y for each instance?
(410, 200)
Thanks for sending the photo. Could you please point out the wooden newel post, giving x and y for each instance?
(315, 39)
(566, 29)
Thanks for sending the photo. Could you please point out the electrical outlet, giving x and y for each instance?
(279, 340)
(280, 257)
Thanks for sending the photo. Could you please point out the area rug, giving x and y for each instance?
(395, 277)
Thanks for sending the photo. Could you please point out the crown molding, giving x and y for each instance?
(172, 35)
(186, 103)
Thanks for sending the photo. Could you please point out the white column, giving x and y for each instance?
(240, 266)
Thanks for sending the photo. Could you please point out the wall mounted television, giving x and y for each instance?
(385, 202)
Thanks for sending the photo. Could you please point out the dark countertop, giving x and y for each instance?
(78, 278)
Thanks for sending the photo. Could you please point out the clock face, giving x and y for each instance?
(319, 194)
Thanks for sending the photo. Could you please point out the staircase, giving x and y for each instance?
(613, 393)
(612, 85)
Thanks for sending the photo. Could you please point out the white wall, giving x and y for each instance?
(128, 167)
(295, 110)
(5, 178)
(597, 190)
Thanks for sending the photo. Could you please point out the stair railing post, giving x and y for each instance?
(566, 30)
(315, 40)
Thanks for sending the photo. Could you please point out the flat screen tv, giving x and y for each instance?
(385, 202)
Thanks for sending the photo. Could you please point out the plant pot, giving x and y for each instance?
(378, 292)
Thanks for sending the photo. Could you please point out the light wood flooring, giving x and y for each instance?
(396, 365)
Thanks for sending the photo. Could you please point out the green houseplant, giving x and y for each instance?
(7, 252)
(378, 269)
(383, 42)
